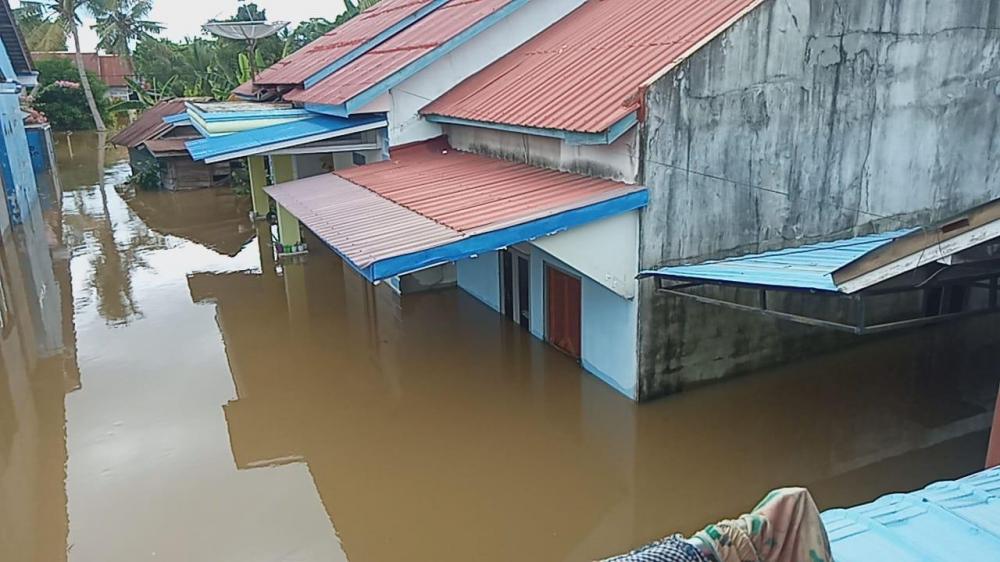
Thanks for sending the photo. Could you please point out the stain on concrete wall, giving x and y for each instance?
(807, 120)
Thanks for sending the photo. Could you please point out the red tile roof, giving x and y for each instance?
(112, 69)
(402, 49)
(150, 124)
(429, 195)
(586, 72)
(295, 68)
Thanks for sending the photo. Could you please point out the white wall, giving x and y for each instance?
(480, 277)
(617, 161)
(406, 99)
(607, 251)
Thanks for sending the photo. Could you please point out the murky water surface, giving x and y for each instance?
(173, 395)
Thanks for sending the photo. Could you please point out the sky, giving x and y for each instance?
(181, 22)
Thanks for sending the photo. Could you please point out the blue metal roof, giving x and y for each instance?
(285, 135)
(946, 522)
(178, 119)
(806, 267)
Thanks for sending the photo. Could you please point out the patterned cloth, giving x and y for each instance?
(671, 549)
(784, 527)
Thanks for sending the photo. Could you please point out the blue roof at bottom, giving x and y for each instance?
(946, 522)
(805, 267)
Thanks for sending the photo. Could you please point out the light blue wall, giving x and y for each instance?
(481, 278)
(15, 159)
(609, 326)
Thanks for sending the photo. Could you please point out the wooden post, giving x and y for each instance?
(993, 453)
(258, 179)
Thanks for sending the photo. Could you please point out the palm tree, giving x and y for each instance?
(66, 14)
(122, 23)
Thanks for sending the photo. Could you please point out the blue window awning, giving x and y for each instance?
(808, 267)
(281, 137)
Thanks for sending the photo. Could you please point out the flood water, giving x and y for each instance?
(179, 396)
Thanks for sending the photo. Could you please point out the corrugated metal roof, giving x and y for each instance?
(585, 73)
(13, 42)
(395, 54)
(341, 41)
(150, 124)
(168, 146)
(469, 192)
(112, 69)
(806, 267)
(946, 522)
(264, 139)
(430, 204)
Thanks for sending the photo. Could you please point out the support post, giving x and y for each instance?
(289, 233)
(993, 453)
(258, 180)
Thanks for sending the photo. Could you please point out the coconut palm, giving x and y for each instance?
(122, 23)
(66, 13)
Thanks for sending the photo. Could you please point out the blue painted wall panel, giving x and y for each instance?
(480, 277)
(15, 160)
(38, 149)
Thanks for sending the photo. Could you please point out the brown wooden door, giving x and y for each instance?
(564, 303)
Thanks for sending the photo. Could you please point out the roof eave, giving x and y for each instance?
(608, 136)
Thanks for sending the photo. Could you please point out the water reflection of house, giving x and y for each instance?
(424, 430)
(156, 144)
(113, 70)
(195, 217)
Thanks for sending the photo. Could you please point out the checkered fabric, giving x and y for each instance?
(671, 549)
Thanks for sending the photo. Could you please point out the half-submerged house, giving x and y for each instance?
(548, 153)
(157, 140)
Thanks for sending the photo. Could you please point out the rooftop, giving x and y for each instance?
(150, 124)
(347, 41)
(431, 204)
(586, 72)
(112, 69)
(405, 48)
(945, 522)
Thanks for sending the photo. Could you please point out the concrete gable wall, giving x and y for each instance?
(851, 114)
(860, 110)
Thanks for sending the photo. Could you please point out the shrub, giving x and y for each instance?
(61, 98)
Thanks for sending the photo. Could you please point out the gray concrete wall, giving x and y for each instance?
(808, 119)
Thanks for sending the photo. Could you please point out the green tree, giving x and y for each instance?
(61, 98)
(66, 14)
(120, 24)
(39, 33)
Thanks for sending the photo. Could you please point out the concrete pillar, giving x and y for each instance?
(283, 170)
(258, 179)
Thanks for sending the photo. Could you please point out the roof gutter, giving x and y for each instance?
(608, 136)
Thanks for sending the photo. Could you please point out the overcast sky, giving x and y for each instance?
(183, 18)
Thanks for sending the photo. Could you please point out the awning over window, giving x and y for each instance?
(281, 137)
(431, 205)
(808, 267)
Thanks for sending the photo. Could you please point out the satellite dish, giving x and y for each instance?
(248, 31)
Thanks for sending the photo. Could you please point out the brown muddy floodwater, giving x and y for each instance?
(208, 406)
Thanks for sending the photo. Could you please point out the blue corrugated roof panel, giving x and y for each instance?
(285, 135)
(177, 119)
(946, 522)
(806, 267)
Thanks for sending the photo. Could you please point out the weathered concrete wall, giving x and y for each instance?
(808, 119)
(617, 161)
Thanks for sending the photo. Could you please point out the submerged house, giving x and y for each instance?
(113, 70)
(558, 160)
(157, 140)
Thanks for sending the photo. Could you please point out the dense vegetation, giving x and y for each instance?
(198, 66)
(61, 98)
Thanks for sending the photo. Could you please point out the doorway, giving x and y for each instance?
(564, 304)
(515, 269)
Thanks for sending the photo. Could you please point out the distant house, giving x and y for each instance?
(158, 138)
(112, 69)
